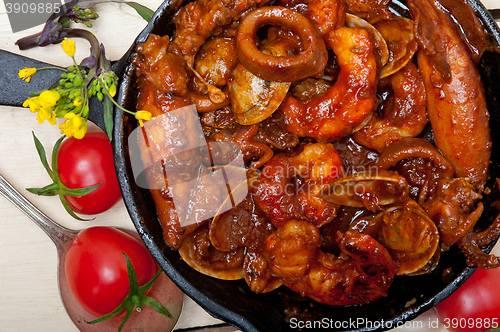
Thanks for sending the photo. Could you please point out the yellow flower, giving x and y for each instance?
(142, 115)
(43, 113)
(46, 114)
(68, 46)
(32, 103)
(112, 90)
(74, 125)
(27, 73)
(82, 131)
(48, 98)
(78, 101)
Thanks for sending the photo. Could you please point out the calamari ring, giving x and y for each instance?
(309, 62)
(415, 147)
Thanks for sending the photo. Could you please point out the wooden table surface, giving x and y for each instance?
(28, 260)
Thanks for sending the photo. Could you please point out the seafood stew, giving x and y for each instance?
(346, 138)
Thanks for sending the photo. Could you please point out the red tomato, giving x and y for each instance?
(96, 270)
(86, 162)
(475, 306)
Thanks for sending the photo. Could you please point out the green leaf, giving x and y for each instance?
(132, 276)
(68, 209)
(112, 314)
(49, 190)
(55, 152)
(152, 303)
(77, 192)
(128, 313)
(143, 11)
(150, 283)
(108, 116)
(43, 156)
(33, 190)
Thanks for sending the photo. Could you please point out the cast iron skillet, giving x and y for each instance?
(232, 301)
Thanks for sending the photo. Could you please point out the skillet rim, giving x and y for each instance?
(130, 192)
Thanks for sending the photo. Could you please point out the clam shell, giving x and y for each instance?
(411, 237)
(399, 34)
(380, 44)
(252, 98)
(187, 252)
(370, 189)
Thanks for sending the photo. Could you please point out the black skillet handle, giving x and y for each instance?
(14, 91)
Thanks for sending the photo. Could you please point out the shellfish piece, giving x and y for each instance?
(254, 99)
(371, 189)
(399, 35)
(362, 273)
(216, 59)
(201, 256)
(380, 45)
(237, 221)
(310, 61)
(409, 235)
(415, 147)
(454, 209)
(402, 112)
(333, 115)
(258, 274)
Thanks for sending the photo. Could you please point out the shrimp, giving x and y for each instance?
(349, 101)
(404, 115)
(362, 273)
(456, 99)
(327, 15)
(282, 199)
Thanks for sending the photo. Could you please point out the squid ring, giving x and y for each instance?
(311, 61)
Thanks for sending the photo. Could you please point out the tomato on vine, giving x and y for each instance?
(109, 271)
(83, 174)
(86, 162)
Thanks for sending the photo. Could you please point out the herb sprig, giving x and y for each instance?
(69, 97)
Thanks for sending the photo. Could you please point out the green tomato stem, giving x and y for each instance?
(136, 299)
